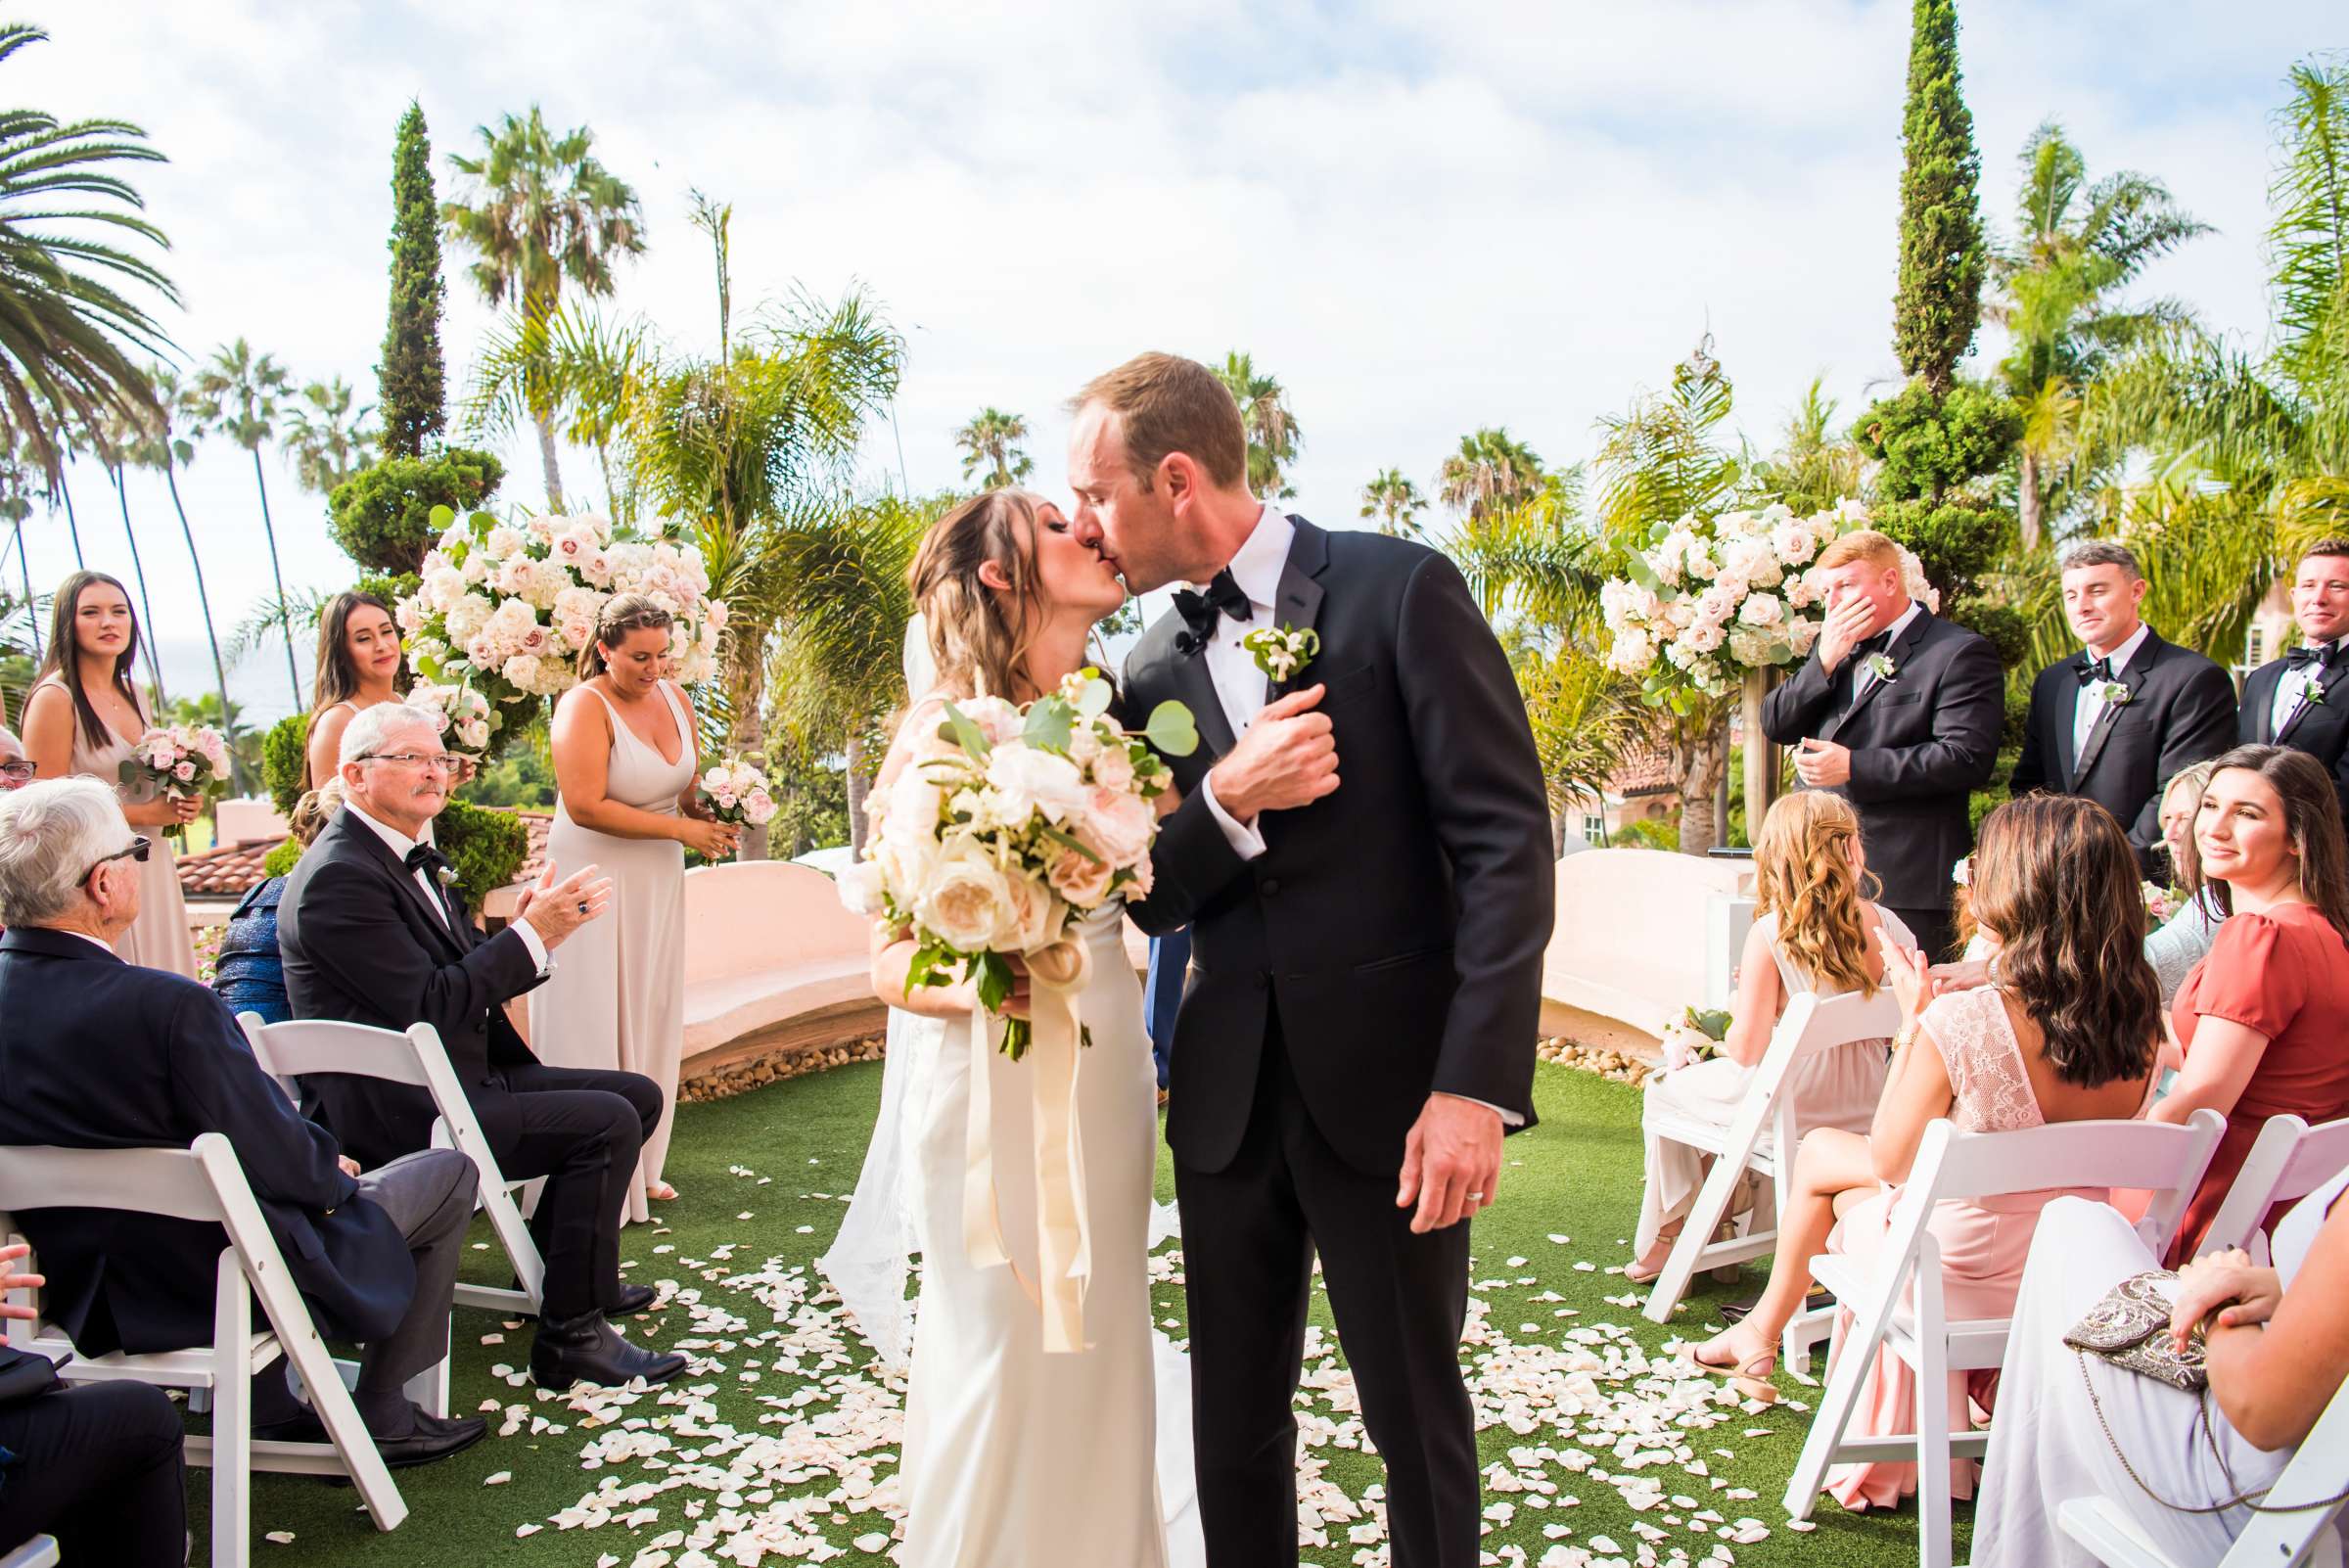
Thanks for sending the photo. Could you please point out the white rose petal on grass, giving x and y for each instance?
(282, 1537)
(497, 1480)
(872, 1544)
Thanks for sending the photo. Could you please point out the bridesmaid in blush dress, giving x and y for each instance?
(625, 771)
(85, 716)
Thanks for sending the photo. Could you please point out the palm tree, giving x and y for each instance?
(328, 438)
(16, 505)
(991, 442)
(1272, 434)
(590, 369)
(1585, 718)
(1815, 467)
(2075, 246)
(1490, 470)
(237, 397)
(1395, 502)
(539, 210)
(67, 336)
(111, 447)
(160, 444)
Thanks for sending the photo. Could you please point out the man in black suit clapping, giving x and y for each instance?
(1897, 710)
(2118, 720)
(2299, 701)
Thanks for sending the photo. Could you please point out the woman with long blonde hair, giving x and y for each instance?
(1815, 930)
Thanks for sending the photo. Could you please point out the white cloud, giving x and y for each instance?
(1421, 219)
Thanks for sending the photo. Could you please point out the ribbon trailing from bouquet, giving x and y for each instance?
(1064, 1239)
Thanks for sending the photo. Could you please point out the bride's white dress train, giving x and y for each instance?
(1014, 1456)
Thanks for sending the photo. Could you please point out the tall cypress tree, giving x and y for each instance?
(411, 394)
(1942, 256)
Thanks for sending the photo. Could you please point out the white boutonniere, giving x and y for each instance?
(1282, 652)
(1879, 666)
(447, 876)
(2114, 694)
(2313, 694)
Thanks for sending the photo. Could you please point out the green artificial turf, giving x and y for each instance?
(1577, 1174)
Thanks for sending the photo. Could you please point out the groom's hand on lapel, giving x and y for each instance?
(1287, 759)
(1451, 1162)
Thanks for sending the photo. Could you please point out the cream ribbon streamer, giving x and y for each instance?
(1064, 1240)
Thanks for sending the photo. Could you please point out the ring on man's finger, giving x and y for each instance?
(583, 906)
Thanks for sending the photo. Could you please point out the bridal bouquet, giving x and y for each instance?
(736, 789)
(183, 762)
(1695, 1036)
(464, 714)
(504, 608)
(1005, 825)
(1714, 597)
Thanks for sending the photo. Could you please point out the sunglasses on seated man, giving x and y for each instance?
(137, 850)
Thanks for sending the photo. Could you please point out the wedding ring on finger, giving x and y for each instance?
(1475, 1197)
(583, 906)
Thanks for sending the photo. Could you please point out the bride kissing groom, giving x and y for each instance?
(1361, 848)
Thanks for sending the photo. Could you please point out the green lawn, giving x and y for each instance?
(782, 1423)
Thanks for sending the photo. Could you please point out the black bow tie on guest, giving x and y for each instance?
(424, 858)
(2089, 669)
(2301, 657)
(1199, 611)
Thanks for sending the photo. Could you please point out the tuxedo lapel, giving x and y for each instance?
(2067, 755)
(2333, 676)
(2132, 675)
(1898, 653)
(1195, 689)
(357, 833)
(1299, 605)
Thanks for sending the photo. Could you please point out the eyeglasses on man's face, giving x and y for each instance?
(17, 771)
(445, 762)
(136, 849)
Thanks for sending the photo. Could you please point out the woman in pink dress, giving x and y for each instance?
(2068, 1030)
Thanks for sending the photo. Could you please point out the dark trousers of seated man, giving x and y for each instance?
(429, 1195)
(583, 1128)
(97, 1465)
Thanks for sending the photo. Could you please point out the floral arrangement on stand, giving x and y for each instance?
(1695, 1036)
(1711, 598)
(504, 608)
(466, 717)
(181, 761)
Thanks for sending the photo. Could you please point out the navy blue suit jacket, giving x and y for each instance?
(100, 1054)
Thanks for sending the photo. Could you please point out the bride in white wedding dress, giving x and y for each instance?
(1014, 1455)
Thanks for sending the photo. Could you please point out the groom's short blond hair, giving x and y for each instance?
(1167, 403)
(1860, 544)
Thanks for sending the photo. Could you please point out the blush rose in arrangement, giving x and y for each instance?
(466, 719)
(182, 762)
(737, 792)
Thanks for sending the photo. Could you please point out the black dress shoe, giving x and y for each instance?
(434, 1438)
(588, 1350)
(631, 1300)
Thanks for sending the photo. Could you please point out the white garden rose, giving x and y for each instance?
(477, 567)
(1113, 766)
(1762, 610)
(1119, 824)
(523, 672)
(861, 888)
(967, 900)
(1029, 779)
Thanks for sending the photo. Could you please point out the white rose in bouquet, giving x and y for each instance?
(967, 900)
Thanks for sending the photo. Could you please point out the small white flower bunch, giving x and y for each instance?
(1281, 652)
(1880, 665)
(2113, 694)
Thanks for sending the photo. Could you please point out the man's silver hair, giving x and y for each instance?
(2100, 552)
(370, 733)
(51, 834)
(10, 736)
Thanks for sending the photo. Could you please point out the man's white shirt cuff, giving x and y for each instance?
(537, 946)
(1507, 1117)
(1245, 841)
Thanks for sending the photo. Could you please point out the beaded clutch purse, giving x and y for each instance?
(2130, 1327)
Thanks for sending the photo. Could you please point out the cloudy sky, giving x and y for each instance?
(1423, 218)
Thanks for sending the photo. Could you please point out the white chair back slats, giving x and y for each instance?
(2290, 1161)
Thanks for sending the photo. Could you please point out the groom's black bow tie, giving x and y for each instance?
(1223, 597)
(2089, 669)
(2301, 657)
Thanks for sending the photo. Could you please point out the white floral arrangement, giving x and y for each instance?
(181, 761)
(1711, 598)
(736, 789)
(1006, 824)
(504, 608)
(1695, 1036)
(466, 717)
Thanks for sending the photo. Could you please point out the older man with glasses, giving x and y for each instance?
(99, 1053)
(372, 932)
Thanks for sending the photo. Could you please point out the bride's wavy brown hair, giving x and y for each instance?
(977, 635)
(1803, 873)
(2056, 881)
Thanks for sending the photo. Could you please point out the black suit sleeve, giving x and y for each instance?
(2201, 725)
(1487, 808)
(2259, 695)
(352, 932)
(1190, 864)
(2031, 768)
(1798, 706)
(220, 1087)
(1967, 707)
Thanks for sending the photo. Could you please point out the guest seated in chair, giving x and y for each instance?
(371, 934)
(2067, 1030)
(2072, 1425)
(103, 1054)
(250, 974)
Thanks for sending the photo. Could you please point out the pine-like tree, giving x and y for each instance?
(410, 390)
(1939, 300)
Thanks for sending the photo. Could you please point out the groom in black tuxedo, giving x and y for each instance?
(2300, 699)
(1360, 1027)
(2116, 721)
(1898, 711)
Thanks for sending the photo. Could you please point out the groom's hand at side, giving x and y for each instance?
(1287, 759)
(1451, 1162)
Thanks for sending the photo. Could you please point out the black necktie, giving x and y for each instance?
(2301, 657)
(2089, 669)
(1200, 610)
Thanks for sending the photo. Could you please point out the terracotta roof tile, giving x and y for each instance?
(1645, 770)
(228, 871)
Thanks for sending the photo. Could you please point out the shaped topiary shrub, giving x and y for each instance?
(383, 516)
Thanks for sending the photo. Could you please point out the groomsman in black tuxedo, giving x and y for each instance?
(2299, 701)
(1898, 711)
(2118, 720)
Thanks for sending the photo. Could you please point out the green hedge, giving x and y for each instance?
(383, 516)
(282, 753)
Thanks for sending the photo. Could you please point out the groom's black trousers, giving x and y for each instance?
(1250, 1232)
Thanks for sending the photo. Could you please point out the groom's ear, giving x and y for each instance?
(1181, 478)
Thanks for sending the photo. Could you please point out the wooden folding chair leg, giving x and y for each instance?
(232, 1417)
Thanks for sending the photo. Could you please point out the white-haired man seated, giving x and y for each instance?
(372, 932)
(101, 1054)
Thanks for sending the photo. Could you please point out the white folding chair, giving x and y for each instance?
(316, 1046)
(204, 1182)
(1896, 1297)
(38, 1553)
(1807, 1027)
(2274, 1539)
(2290, 1161)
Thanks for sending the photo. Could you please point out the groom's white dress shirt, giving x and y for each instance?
(1241, 688)
(2090, 706)
(399, 844)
